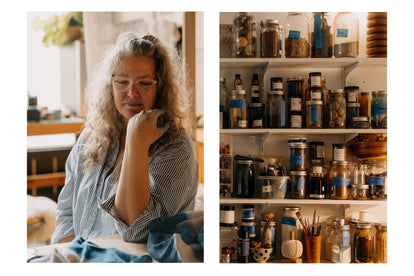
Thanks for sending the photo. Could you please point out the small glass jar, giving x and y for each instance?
(365, 104)
(381, 243)
(336, 109)
(321, 28)
(359, 192)
(276, 109)
(244, 35)
(360, 123)
(269, 38)
(227, 215)
(295, 102)
(244, 180)
(317, 184)
(339, 177)
(315, 93)
(364, 243)
(341, 248)
(359, 174)
(379, 109)
(317, 151)
(314, 114)
(297, 187)
(377, 179)
(315, 79)
(290, 222)
(256, 115)
(352, 93)
(352, 110)
(296, 35)
(346, 35)
(297, 150)
(238, 109)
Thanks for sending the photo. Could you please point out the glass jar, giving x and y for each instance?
(360, 122)
(290, 222)
(256, 115)
(315, 80)
(352, 93)
(297, 150)
(276, 83)
(251, 227)
(228, 241)
(244, 35)
(317, 151)
(365, 104)
(317, 184)
(296, 35)
(269, 38)
(315, 94)
(364, 243)
(238, 109)
(339, 152)
(341, 249)
(336, 109)
(359, 192)
(346, 35)
(339, 177)
(244, 182)
(227, 215)
(224, 104)
(359, 174)
(238, 83)
(329, 232)
(377, 179)
(276, 109)
(352, 110)
(381, 243)
(379, 109)
(297, 187)
(321, 35)
(268, 234)
(314, 114)
(295, 102)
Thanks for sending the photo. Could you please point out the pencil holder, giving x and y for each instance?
(313, 249)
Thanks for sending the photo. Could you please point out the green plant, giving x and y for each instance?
(61, 30)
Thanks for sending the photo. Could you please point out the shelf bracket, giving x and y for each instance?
(348, 69)
(262, 138)
(343, 209)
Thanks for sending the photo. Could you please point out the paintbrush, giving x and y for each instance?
(313, 223)
(299, 215)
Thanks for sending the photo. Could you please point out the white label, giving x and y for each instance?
(255, 91)
(316, 81)
(352, 97)
(317, 169)
(267, 189)
(257, 123)
(242, 123)
(316, 95)
(239, 87)
(339, 154)
(296, 104)
(296, 121)
(227, 217)
(277, 85)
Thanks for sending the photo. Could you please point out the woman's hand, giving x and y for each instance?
(142, 128)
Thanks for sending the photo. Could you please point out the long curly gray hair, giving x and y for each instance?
(104, 124)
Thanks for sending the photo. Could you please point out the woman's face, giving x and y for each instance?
(137, 71)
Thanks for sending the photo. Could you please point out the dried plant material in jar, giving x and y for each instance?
(296, 48)
(336, 109)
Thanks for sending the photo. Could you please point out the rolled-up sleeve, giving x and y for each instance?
(173, 177)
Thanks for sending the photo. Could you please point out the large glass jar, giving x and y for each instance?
(269, 38)
(329, 232)
(224, 104)
(296, 35)
(276, 109)
(297, 150)
(314, 114)
(341, 248)
(295, 102)
(321, 30)
(244, 35)
(238, 109)
(336, 109)
(381, 244)
(339, 177)
(365, 105)
(290, 222)
(346, 35)
(379, 109)
(244, 181)
(364, 243)
(297, 184)
(377, 179)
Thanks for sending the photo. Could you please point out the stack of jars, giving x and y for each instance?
(316, 188)
(297, 175)
(369, 180)
(314, 101)
(339, 174)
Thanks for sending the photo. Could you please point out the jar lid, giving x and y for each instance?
(351, 87)
(338, 145)
(256, 104)
(297, 140)
(381, 226)
(276, 79)
(360, 119)
(301, 173)
(269, 21)
(339, 162)
(227, 207)
(364, 225)
(317, 143)
(336, 91)
(365, 93)
(317, 161)
(248, 206)
(315, 74)
(263, 223)
(344, 227)
(241, 92)
(314, 103)
(244, 162)
(361, 187)
(352, 105)
(291, 208)
(276, 92)
(294, 79)
(379, 92)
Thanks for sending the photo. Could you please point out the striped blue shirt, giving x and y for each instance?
(86, 203)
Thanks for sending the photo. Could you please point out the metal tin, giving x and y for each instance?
(360, 123)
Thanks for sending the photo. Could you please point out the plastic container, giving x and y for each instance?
(321, 30)
(379, 109)
(336, 109)
(270, 39)
(277, 184)
(346, 35)
(276, 109)
(238, 109)
(244, 35)
(297, 35)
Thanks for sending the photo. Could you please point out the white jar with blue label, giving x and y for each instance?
(290, 222)
(296, 31)
(346, 35)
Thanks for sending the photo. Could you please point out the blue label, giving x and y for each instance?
(280, 45)
(237, 104)
(297, 160)
(338, 181)
(314, 114)
(317, 31)
(376, 180)
(245, 244)
(282, 114)
(301, 184)
(221, 108)
(341, 32)
(289, 221)
(379, 109)
(284, 187)
(248, 213)
(251, 229)
(294, 34)
(345, 235)
(352, 113)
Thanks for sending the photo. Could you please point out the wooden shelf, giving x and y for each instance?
(300, 201)
(65, 125)
(301, 131)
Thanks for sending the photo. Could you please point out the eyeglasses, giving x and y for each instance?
(144, 86)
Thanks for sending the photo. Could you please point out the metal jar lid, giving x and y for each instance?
(244, 162)
(351, 88)
(364, 225)
(352, 105)
(269, 21)
(379, 92)
(336, 91)
(300, 173)
(297, 140)
(360, 187)
(314, 103)
(360, 119)
(227, 207)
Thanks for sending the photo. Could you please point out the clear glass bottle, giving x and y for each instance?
(244, 179)
(321, 29)
(329, 232)
(238, 109)
(339, 177)
(341, 249)
(377, 179)
(346, 35)
(364, 243)
(336, 109)
(379, 109)
(224, 104)
(269, 38)
(381, 243)
(276, 109)
(244, 35)
(297, 35)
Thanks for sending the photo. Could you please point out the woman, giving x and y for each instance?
(133, 165)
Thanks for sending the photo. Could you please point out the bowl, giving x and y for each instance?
(261, 255)
(370, 150)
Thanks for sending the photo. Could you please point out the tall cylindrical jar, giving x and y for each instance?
(336, 109)
(224, 104)
(269, 38)
(340, 179)
(296, 35)
(321, 29)
(276, 109)
(295, 102)
(381, 243)
(244, 180)
(365, 105)
(364, 243)
(341, 249)
(238, 109)
(346, 35)
(244, 35)
(379, 109)
(289, 223)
